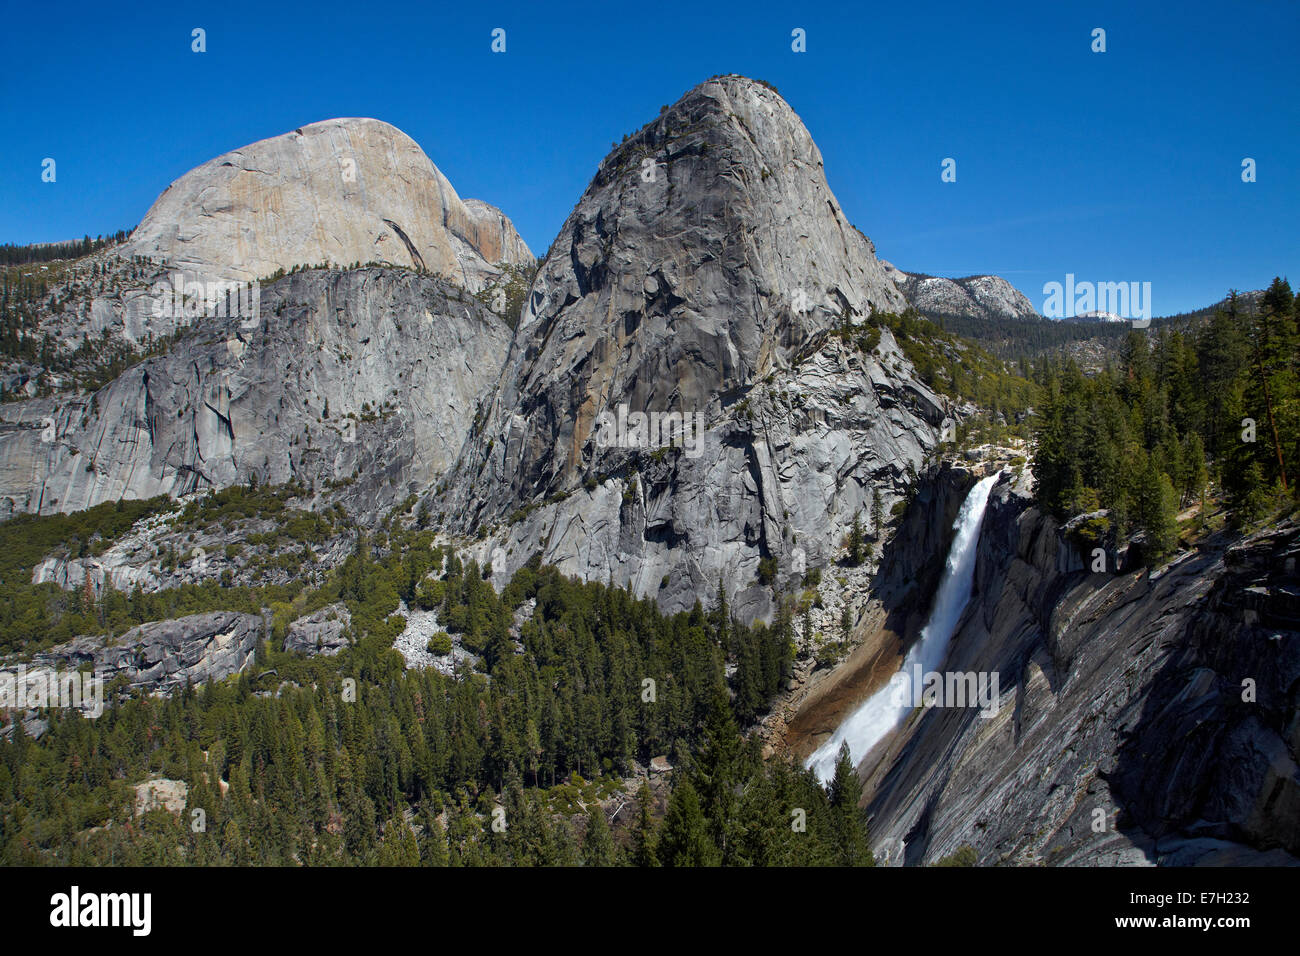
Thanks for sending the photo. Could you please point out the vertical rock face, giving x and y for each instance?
(406, 357)
(707, 250)
(700, 273)
(374, 373)
(339, 191)
(492, 235)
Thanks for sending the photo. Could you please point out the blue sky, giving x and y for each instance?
(1115, 166)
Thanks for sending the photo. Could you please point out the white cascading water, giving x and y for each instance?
(885, 709)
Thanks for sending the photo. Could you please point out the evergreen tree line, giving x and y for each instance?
(1021, 340)
(411, 767)
(1180, 414)
(16, 255)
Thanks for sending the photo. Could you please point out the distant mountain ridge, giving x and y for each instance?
(980, 296)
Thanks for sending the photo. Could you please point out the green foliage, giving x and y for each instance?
(958, 368)
(316, 779)
(598, 843)
(764, 658)
(965, 855)
(855, 553)
(684, 837)
(37, 616)
(1089, 534)
(1147, 437)
(1020, 340)
(11, 254)
(849, 821)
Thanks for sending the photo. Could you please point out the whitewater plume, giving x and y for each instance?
(886, 708)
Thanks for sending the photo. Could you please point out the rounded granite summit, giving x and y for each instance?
(341, 191)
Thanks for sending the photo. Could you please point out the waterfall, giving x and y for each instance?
(887, 707)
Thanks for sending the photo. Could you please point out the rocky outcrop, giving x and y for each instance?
(1123, 735)
(322, 632)
(981, 297)
(165, 655)
(160, 794)
(701, 273)
(893, 599)
(1210, 770)
(335, 192)
(374, 374)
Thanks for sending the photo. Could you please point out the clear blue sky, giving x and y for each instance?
(1119, 166)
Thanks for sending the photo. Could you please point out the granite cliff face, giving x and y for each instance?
(707, 271)
(701, 273)
(1144, 718)
(374, 373)
(337, 192)
(158, 657)
(981, 297)
(398, 358)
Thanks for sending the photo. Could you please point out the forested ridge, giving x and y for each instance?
(15, 254)
(1183, 417)
(355, 759)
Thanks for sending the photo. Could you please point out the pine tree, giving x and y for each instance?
(399, 846)
(714, 770)
(643, 832)
(855, 541)
(684, 836)
(433, 844)
(1250, 498)
(1157, 515)
(597, 843)
(1195, 476)
(848, 819)
(1273, 345)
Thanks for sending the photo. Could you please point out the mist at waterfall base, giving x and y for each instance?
(887, 707)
